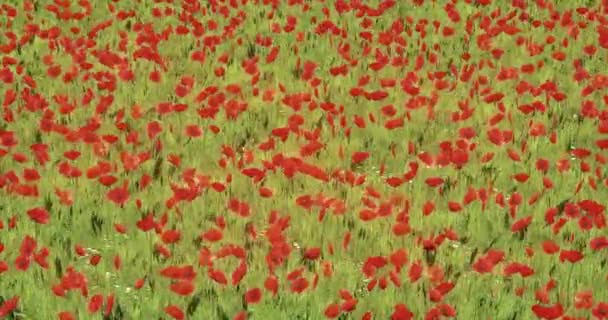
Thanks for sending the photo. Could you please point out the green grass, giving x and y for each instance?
(90, 220)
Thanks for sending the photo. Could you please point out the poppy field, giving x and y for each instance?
(303, 159)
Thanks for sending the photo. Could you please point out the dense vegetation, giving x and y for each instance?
(303, 159)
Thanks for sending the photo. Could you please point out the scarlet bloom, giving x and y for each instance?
(120, 228)
(332, 311)
(598, 243)
(95, 303)
(65, 315)
(239, 272)
(217, 276)
(583, 299)
(39, 215)
(186, 272)
(175, 312)
(242, 315)
(401, 312)
(600, 311)
(521, 224)
(118, 195)
(548, 312)
(415, 271)
(253, 296)
(312, 253)
(171, 236)
(212, 235)
(454, 206)
(487, 263)
(182, 287)
(265, 192)
(522, 269)
(299, 285)
(550, 247)
(139, 283)
(8, 306)
(271, 284)
(433, 181)
(602, 33)
(193, 131)
(359, 157)
(95, 259)
(521, 177)
(572, 256)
